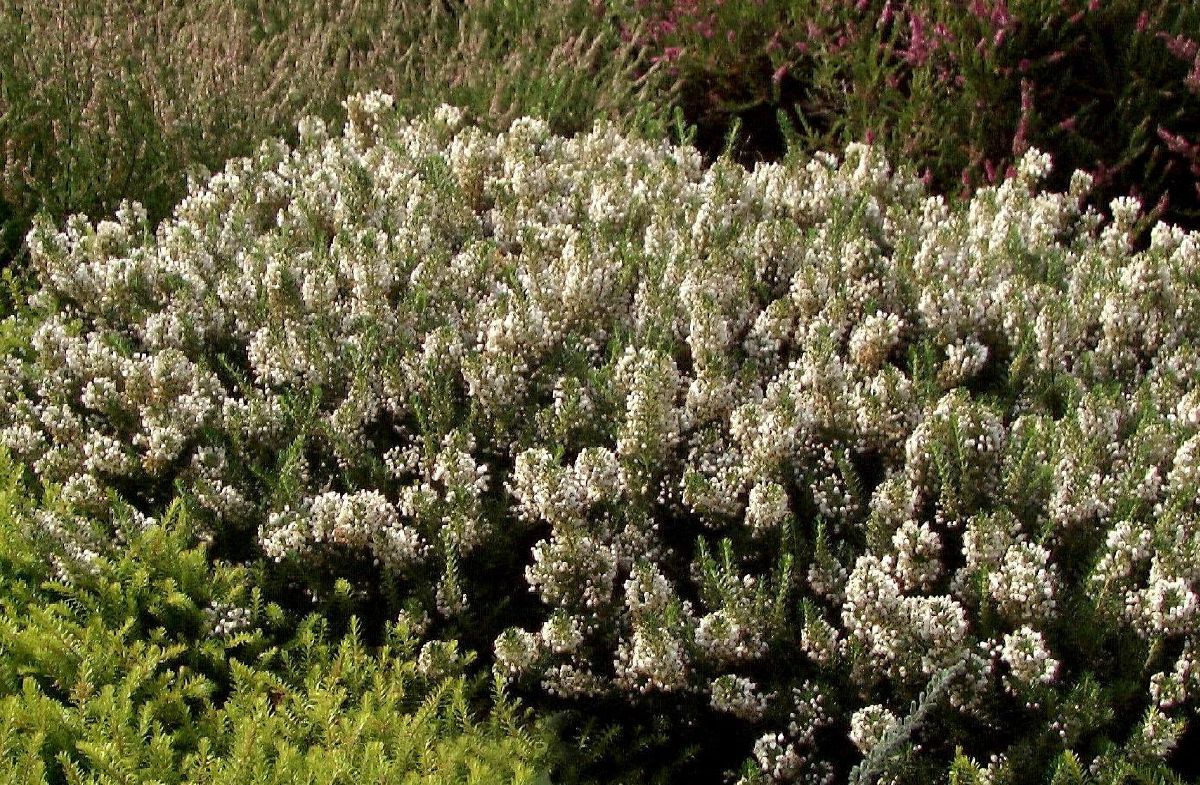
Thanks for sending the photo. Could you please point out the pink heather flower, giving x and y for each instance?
(1001, 16)
(918, 46)
(885, 15)
(780, 72)
(1177, 143)
(1020, 141)
(1180, 45)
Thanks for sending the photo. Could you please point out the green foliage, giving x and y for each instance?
(161, 668)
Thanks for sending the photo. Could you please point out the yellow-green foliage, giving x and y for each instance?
(141, 673)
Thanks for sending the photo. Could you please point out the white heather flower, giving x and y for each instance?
(739, 696)
(964, 359)
(1125, 210)
(225, 621)
(363, 520)
(647, 591)
(654, 660)
(567, 680)
(918, 555)
(1173, 688)
(874, 338)
(561, 633)
(767, 509)
(574, 572)
(516, 650)
(1028, 658)
(1167, 606)
(869, 724)
(776, 758)
(1081, 184)
(1034, 165)
(438, 659)
(1185, 469)
(819, 639)
(1025, 585)
(1159, 734)
(722, 638)
(597, 473)
(1126, 546)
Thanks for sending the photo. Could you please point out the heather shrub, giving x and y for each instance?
(962, 90)
(107, 100)
(798, 472)
(158, 667)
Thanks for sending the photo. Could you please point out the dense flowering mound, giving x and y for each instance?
(793, 445)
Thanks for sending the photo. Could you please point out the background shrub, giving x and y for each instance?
(739, 463)
(959, 89)
(159, 667)
(104, 101)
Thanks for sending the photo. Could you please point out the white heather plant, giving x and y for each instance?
(781, 448)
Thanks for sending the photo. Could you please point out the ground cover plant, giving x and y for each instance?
(798, 472)
(156, 666)
(960, 88)
(106, 100)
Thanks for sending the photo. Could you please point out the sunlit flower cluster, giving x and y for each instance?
(727, 431)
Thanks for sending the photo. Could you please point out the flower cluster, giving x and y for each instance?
(790, 441)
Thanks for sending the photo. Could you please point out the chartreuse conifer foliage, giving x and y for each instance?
(156, 667)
